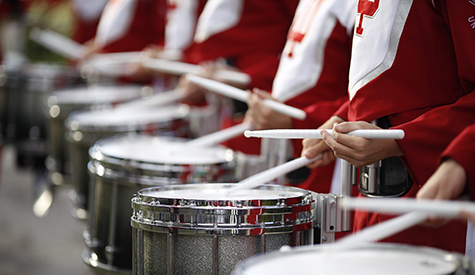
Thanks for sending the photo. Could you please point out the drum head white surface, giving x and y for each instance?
(354, 262)
(164, 151)
(95, 95)
(123, 117)
(219, 194)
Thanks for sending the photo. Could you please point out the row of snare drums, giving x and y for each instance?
(114, 152)
(154, 208)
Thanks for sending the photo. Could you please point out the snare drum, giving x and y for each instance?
(377, 258)
(197, 229)
(27, 89)
(84, 128)
(61, 103)
(120, 166)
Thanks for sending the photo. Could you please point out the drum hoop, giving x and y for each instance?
(93, 133)
(166, 176)
(451, 257)
(96, 153)
(304, 198)
(77, 89)
(222, 210)
(223, 229)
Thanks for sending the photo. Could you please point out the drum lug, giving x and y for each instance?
(329, 216)
(110, 252)
(90, 242)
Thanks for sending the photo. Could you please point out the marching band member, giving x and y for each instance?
(312, 75)
(249, 35)
(129, 25)
(182, 17)
(453, 178)
(398, 75)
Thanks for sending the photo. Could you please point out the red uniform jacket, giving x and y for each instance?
(413, 61)
(253, 45)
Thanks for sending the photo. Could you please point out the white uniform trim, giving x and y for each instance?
(315, 21)
(115, 21)
(380, 41)
(181, 24)
(88, 10)
(218, 16)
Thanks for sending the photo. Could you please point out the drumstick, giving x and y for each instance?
(301, 134)
(270, 174)
(58, 43)
(216, 137)
(441, 208)
(384, 229)
(241, 95)
(179, 68)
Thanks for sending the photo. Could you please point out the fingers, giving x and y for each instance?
(262, 116)
(312, 148)
(262, 94)
(468, 216)
(341, 150)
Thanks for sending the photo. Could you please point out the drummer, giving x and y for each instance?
(396, 75)
(129, 26)
(180, 26)
(454, 177)
(312, 75)
(250, 38)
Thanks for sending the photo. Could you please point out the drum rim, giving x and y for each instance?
(262, 203)
(129, 126)
(254, 217)
(222, 229)
(451, 257)
(96, 154)
(64, 100)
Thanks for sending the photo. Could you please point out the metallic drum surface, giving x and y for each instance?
(63, 102)
(197, 229)
(84, 128)
(120, 166)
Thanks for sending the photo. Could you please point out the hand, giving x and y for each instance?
(447, 183)
(263, 117)
(91, 49)
(313, 147)
(152, 51)
(195, 94)
(359, 151)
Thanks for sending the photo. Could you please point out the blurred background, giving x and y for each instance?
(51, 244)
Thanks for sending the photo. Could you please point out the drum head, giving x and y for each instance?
(102, 94)
(124, 118)
(160, 150)
(371, 259)
(216, 192)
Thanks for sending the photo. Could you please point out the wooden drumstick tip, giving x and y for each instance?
(247, 133)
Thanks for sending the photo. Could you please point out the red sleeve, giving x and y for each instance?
(84, 30)
(428, 135)
(462, 150)
(255, 43)
(342, 112)
(260, 66)
(319, 113)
